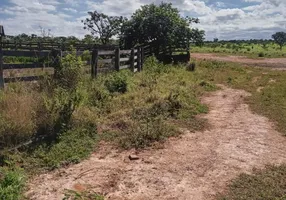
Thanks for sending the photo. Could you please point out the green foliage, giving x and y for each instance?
(145, 127)
(69, 73)
(71, 147)
(266, 184)
(62, 96)
(57, 109)
(280, 38)
(161, 24)
(103, 25)
(117, 82)
(99, 96)
(12, 182)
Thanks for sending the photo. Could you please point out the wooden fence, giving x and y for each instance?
(47, 46)
(103, 59)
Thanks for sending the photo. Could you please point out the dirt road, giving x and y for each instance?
(279, 63)
(193, 167)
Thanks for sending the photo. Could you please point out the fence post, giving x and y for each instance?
(139, 59)
(132, 60)
(56, 57)
(94, 63)
(117, 59)
(142, 57)
(1, 67)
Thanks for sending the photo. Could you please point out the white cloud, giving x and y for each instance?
(258, 20)
(70, 10)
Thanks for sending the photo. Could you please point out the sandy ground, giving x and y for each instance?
(279, 63)
(193, 167)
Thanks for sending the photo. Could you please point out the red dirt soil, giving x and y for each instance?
(279, 63)
(193, 167)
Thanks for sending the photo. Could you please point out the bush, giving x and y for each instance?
(261, 54)
(12, 182)
(144, 128)
(99, 96)
(117, 82)
(153, 66)
(169, 107)
(69, 74)
(56, 111)
(61, 96)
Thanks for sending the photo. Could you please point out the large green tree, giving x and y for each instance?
(160, 24)
(103, 26)
(280, 38)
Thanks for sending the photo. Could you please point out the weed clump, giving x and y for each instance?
(12, 182)
(117, 82)
(145, 127)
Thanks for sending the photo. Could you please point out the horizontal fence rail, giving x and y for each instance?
(100, 58)
(101, 61)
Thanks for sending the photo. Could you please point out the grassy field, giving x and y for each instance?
(267, 50)
(125, 109)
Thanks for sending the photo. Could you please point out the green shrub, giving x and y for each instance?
(61, 96)
(153, 66)
(117, 82)
(169, 107)
(55, 114)
(12, 182)
(69, 74)
(144, 128)
(99, 96)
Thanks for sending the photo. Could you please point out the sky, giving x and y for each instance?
(224, 19)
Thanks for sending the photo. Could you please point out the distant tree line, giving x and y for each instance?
(279, 38)
(88, 39)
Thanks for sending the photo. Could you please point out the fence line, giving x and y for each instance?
(102, 60)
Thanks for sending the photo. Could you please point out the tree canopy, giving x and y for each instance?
(103, 25)
(280, 38)
(160, 24)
